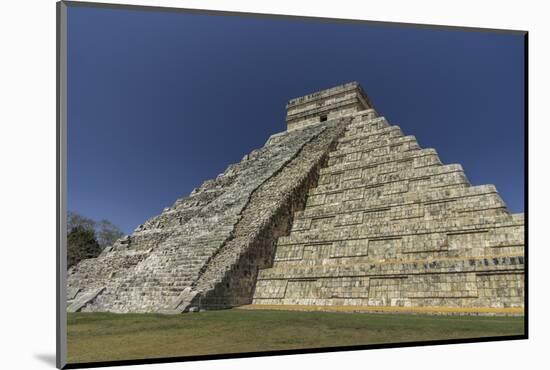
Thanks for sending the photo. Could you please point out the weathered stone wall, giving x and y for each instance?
(389, 225)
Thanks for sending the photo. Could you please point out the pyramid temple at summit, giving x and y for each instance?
(342, 211)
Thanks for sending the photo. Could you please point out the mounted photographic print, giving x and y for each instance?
(237, 184)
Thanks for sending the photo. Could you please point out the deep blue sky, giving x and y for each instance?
(158, 102)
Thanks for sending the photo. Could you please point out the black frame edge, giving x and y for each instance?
(526, 178)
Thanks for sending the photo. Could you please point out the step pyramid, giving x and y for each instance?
(340, 211)
(389, 225)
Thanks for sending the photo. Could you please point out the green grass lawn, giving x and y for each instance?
(107, 337)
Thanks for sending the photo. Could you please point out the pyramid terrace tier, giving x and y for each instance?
(388, 162)
(487, 241)
(375, 148)
(474, 283)
(328, 233)
(379, 222)
(370, 140)
(428, 177)
(392, 267)
(423, 206)
(432, 200)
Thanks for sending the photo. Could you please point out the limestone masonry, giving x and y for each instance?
(341, 211)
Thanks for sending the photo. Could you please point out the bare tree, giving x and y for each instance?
(104, 231)
(107, 233)
(75, 220)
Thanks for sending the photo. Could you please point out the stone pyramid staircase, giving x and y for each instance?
(174, 260)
